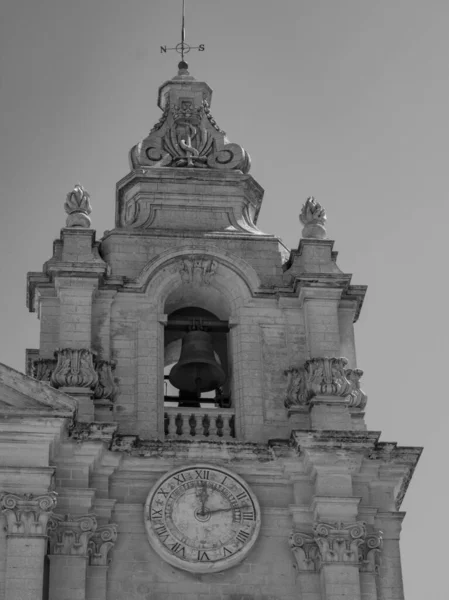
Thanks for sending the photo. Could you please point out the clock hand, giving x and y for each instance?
(203, 498)
(228, 509)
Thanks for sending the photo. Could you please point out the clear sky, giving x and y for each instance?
(346, 101)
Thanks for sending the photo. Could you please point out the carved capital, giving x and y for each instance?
(339, 542)
(325, 376)
(305, 550)
(75, 368)
(370, 552)
(105, 388)
(43, 368)
(70, 535)
(313, 217)
(27, 515)
(101, 543)
(198, 270)
(77, 206)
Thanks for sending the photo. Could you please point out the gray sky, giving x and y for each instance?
(344, 100)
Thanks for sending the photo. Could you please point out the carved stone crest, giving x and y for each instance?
(43, 368)
(105, 388)
(198, 270)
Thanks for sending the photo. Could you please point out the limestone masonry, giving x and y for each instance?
(245, 473)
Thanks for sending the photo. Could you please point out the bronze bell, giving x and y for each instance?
(197, 370)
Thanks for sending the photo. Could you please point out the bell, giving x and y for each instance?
(197, 370)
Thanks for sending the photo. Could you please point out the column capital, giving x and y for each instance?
(336, 543)
(75, 368)
(101, 543)
(70, 535)
(26, 514)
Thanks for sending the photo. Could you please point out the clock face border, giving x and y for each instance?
(194, 566)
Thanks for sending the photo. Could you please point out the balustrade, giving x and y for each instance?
(203, 423)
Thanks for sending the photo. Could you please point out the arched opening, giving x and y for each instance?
(213, 349)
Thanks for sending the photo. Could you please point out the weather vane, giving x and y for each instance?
(183, 48)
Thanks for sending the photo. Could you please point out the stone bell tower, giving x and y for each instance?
(192, 424)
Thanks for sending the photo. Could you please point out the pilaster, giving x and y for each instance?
(26, 518)
(100, 545)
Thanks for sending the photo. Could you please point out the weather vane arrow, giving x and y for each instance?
(183, 48)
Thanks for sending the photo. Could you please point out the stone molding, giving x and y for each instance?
(105, 388)
(27, 515)
(70, 535)
(346, 543)
(198, 270)
(326, 376)
(75, 368)
(313, 217)
(101, 543)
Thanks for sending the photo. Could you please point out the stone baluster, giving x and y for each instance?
(69, 551)
(99, 547)
(26, 525)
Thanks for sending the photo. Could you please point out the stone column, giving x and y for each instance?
(69, 542)
(100, 544)
(26, 543)
(390, 572)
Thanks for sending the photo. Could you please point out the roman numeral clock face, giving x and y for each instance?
(202, 519)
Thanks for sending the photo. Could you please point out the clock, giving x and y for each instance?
(202, 518)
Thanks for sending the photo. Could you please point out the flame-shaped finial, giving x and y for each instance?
(313, 217)
(77, 206)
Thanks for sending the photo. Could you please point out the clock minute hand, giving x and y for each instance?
(228, 509)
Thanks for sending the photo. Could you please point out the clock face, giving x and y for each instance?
(202, 518)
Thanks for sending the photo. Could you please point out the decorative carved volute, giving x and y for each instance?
(26, 514)
(43, 368)
(70, 535)
(198, 270)
(77, 206)
(105, 388)
(101, 543)
(370, 552)
(75, 368)
(313, 217)
(339, 542)
(187, 135)
(325, 376)
(305, 551)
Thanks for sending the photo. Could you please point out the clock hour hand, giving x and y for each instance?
(203, 496)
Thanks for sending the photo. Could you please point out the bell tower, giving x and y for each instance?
(211, 438)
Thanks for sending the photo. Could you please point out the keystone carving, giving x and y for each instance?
(43, 368)
(336, 543)
(27, 515)
(324, 377)
(187, 135)
(74, 368)
(70, 535)
(313, 217)
(77, 206)
(101, 543)
(198, 270)
(105, 388)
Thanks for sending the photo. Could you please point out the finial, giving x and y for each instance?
(183, 48)
(313, 217)
(77, 206)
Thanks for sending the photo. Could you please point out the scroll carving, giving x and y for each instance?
(101, 543)
(105, 388)
(198, 270)
(337, 543)
(75, 368)
(70, 535)
(324, 377)
(43, 368)
(26, 514)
